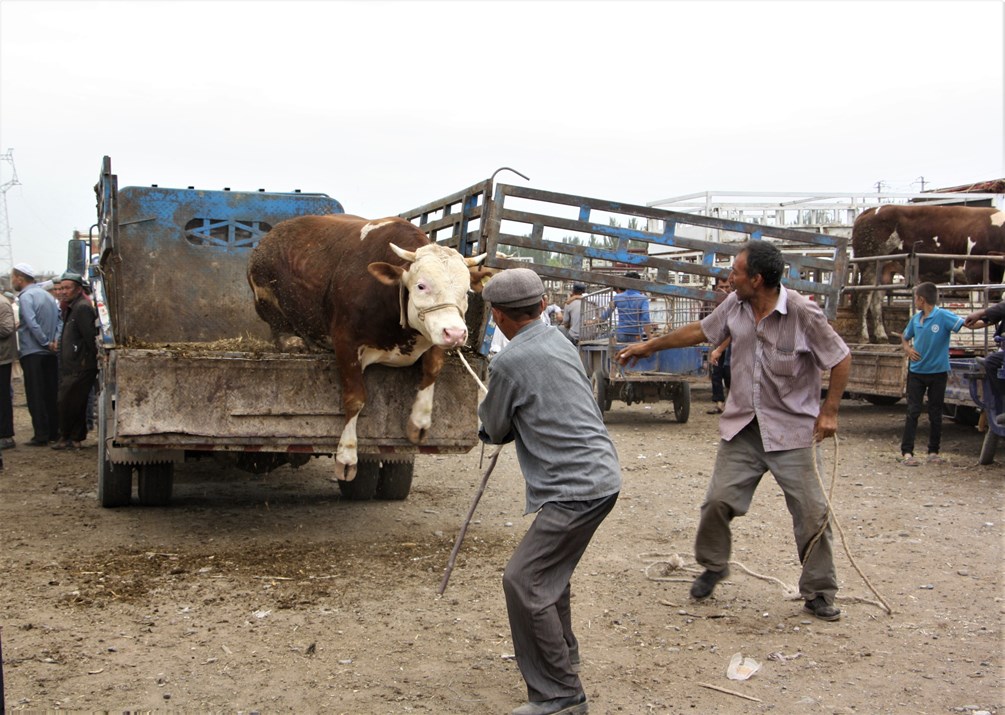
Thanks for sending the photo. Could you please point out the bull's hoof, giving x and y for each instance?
(415, 434)
(344, 472)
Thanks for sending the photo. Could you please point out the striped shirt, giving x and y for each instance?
(776, 367)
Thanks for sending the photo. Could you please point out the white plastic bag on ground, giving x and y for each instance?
(741, 668)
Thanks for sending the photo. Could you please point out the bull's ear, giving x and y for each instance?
(386, 273)
(475, 260)
(479, 277)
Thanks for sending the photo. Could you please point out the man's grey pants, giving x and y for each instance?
(536, 584)
(739, 466)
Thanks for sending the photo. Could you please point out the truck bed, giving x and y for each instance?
(180, 398)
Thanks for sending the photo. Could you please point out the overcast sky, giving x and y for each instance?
(388, 105)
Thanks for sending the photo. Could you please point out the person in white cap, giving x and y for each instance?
(537, 388)
(39, 325)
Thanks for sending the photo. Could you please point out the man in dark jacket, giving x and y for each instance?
(78, 361)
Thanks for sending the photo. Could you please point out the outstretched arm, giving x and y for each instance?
(690, 334)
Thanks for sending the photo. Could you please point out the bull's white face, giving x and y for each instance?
(437, 280)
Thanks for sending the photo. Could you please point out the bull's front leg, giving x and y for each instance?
(879, 329)
(421, 417)
(353, 399)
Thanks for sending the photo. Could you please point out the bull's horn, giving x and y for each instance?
(475, 260)
(403, 254)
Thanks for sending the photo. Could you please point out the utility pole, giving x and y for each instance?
(921, 180)
(879, 186)
(6, 252)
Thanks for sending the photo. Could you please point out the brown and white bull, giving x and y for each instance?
(949, 230)
(376, 292)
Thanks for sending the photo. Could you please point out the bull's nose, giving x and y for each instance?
(455, 336)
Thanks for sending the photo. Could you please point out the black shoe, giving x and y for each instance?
(7, 443)
(37, 442)
(705, 584)
(1000, 420)
(572, 705)
(822, 610)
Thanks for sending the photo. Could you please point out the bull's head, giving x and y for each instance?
(437, 280)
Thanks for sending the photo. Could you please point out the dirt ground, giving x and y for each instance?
(271, 594)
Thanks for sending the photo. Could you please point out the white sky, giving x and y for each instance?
(388, 105)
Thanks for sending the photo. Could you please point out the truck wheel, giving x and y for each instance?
(364, 486)
(682, 403)
(395, 480)
(600, 391)
(154, 483)
(989, 447)
(881, 400)
(966, 415)
(115, 482)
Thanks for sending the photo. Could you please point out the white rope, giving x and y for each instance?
(481, 385)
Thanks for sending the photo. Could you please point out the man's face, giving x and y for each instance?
(742, 283)
(67, 290)
(16, 281)
(722, 284)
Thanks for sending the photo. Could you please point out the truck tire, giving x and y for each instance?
(682, 403)
(881, 400)
(966, 415)
(154, 483)
(115, 481)
(600, 390)
(989, 447)
(364, 486)
(395, 480)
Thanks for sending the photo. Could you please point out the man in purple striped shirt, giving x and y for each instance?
(781, 341)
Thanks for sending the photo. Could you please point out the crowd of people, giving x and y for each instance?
(52, 334)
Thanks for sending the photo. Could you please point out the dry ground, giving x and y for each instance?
(272, 595)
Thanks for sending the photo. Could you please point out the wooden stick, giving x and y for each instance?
(730, 692)
(467, 521)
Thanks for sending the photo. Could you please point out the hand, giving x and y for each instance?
(714, 356)
(630, 354)
(912, 354)
(973, 320)
(826, 426)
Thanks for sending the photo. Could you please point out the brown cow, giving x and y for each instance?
(375, 292)
(951, 230)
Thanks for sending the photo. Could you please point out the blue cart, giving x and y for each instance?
(663, 376)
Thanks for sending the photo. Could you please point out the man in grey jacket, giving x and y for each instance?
(39, 325)
(539, 397)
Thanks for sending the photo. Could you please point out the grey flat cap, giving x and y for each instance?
(71, 276)
(514, 288)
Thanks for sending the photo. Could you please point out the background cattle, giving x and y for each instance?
(948, 230)
(374, 292)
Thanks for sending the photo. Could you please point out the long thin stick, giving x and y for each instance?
(730, 692)
(467, 521)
